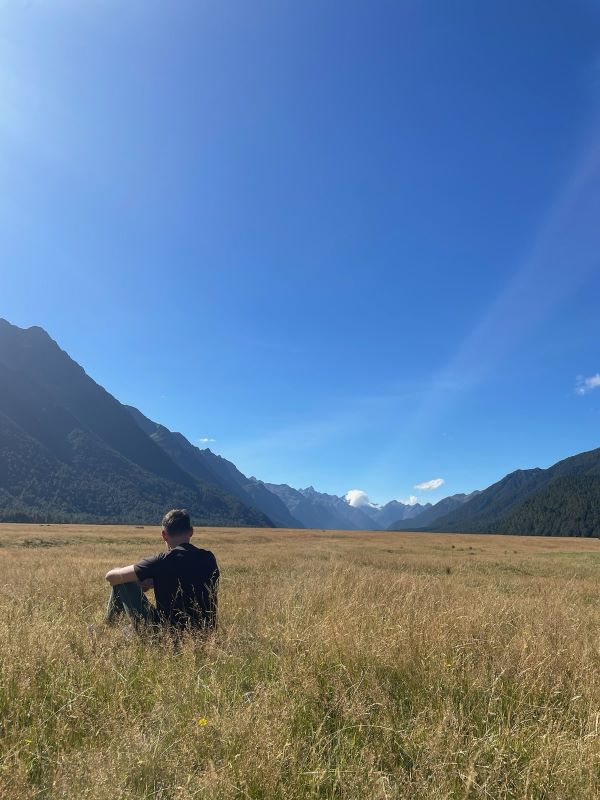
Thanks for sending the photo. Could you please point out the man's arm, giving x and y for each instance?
(121, 575)
(127, 574)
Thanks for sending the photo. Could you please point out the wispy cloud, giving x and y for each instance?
(585, 385)
(339, 421)
(205, 440)
(544, 279)
(432, 484)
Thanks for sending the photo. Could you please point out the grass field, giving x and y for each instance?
(346, 665)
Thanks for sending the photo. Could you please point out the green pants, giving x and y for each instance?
(128, 598)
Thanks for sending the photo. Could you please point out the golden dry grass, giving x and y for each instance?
(347, 665)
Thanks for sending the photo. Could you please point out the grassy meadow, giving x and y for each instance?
(346, 665)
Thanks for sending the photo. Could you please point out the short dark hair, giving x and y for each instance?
(176, 521)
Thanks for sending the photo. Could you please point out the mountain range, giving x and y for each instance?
(327, 511)
(210, 468)
(428, 515)
(563, 500)
(71, 452)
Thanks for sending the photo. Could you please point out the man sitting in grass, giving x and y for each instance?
(185, 581)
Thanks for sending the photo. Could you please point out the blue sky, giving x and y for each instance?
(356, 244)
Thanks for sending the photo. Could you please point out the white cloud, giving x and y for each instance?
(357, 498)
(205, 440)
(585, 385)
(433, 484)
(410, 501)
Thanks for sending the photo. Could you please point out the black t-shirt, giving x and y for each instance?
(185, 585)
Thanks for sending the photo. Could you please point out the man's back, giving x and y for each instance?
(185, 585)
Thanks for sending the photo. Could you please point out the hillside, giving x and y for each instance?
(431, 513)
(214, 469)
(563, 500)
(70, 452)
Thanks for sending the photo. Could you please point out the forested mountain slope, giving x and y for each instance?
(70, 452)
(563, 500)
(433, 512)
(211, 468)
